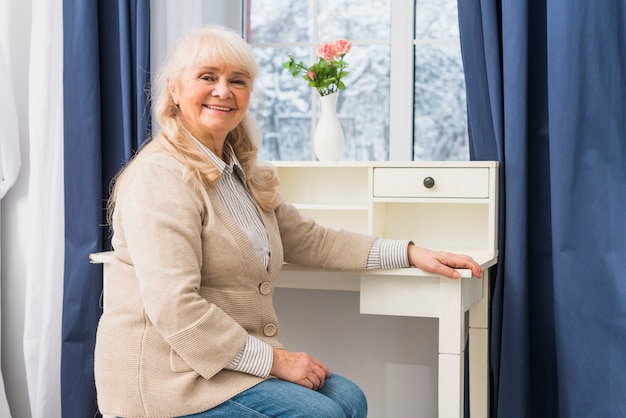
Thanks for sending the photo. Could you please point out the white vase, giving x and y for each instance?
(328, 140)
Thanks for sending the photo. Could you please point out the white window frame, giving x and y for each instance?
(401, 88)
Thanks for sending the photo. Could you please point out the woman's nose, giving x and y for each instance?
(221, 89)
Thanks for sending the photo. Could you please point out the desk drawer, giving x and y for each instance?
(444, 182)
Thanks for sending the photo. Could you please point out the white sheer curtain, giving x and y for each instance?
(31, 36)
(9, 133)
(39, 234)
(44, 274)
(4, 403)
(9, 163)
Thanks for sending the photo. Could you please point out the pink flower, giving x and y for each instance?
(342, 47)
(328, 70)
(326, 51)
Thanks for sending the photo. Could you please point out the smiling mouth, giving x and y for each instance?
(221, 108)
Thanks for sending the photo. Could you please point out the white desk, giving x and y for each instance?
(393, 199)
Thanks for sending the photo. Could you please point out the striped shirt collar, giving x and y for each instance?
(223, 167)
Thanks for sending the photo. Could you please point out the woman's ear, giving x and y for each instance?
(173, 91)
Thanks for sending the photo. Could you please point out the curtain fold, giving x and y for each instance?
(10, 160)
(106, 71)
(546, 97)
(587, 108)
(4, 403)
(44, 274)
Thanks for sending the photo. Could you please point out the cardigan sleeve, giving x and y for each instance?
(311, 245)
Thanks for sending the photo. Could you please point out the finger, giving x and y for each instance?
(477, 271)
(463, 262)
(320, 374)
(469, 263)
(321, 382)
(315, 381)
(307, 382)
(325, 370)
(446, 267)
(451, 273)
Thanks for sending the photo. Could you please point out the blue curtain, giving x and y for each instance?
(546, 96)
(106, 116)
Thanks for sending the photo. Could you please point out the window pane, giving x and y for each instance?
(436, 19)
(440, 127)
(282, 105)
(354, 19)
(272, 21)
(364, 104)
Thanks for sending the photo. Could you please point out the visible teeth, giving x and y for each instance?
(219, 108)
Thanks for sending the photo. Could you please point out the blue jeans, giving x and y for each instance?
(338, 398)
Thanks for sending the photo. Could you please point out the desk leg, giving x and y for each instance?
(450, 398)
(451, 349)
(479, 355)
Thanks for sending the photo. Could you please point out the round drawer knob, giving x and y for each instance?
(429, 182)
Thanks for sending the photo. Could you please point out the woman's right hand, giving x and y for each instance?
(299, 368)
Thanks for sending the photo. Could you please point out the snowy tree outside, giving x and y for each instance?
(287, 108)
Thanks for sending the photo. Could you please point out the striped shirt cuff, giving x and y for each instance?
(388, 254)
(254, 358)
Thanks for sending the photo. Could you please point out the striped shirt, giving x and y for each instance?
(256, 356)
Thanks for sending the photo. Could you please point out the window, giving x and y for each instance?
(404, 96)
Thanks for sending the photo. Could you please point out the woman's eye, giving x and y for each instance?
(239, 82)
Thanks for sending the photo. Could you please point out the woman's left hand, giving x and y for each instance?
(441, 262)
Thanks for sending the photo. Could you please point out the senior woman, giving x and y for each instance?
(199, 233)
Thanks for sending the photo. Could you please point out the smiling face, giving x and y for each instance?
(212, 100)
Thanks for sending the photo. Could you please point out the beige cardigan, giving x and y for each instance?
(186, 287)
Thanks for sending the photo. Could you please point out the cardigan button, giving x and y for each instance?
(270, 330)
(265, 288)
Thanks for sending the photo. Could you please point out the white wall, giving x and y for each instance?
(15, 18)
(222, 12)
